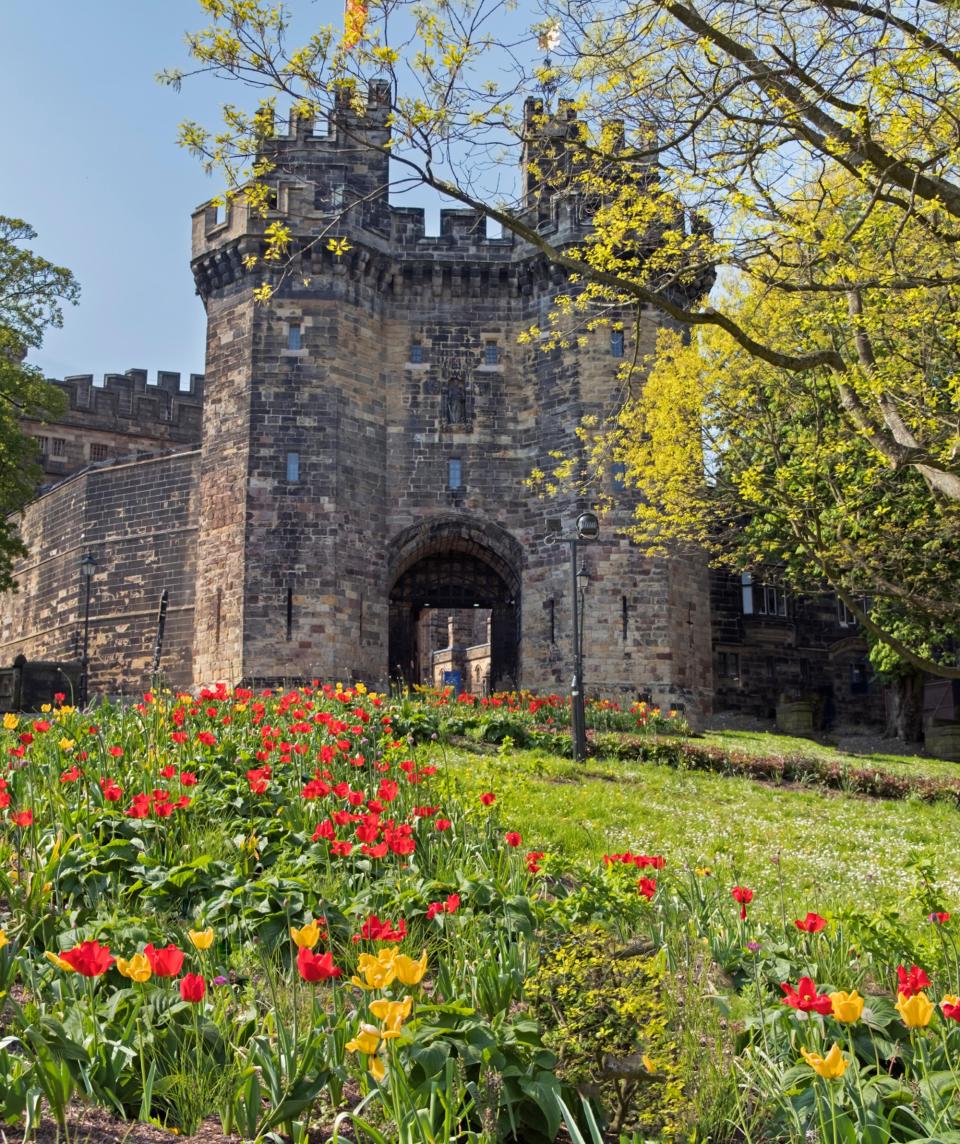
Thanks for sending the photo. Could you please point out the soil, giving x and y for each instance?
(89, 1124)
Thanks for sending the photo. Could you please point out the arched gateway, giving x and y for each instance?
(453, 565)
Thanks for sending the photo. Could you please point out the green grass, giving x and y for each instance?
(832, 850)
(766, 744)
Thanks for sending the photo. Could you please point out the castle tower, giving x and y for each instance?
(367, 434)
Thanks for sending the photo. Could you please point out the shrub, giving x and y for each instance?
(603, 1012)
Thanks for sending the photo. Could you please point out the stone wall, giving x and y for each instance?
(769, 645)
(121, 416)
(138, 520)
(393, 376)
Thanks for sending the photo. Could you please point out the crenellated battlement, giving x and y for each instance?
(133, 403)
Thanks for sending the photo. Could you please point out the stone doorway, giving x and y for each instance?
(455, 607)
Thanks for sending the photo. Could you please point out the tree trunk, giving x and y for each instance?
(905, 707)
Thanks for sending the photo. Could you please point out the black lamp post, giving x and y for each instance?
(588, 530)
(88, 566)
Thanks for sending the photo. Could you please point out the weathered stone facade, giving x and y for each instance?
(368, 434)
(366, 438)
(125, 415)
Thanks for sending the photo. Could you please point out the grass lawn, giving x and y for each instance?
(832, 850)
(764, 743)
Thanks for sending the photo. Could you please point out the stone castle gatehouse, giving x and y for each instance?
(350, 473)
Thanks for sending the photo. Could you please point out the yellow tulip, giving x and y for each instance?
(378, 972)
(138, 968)
(915, 1011)
(201, 939)
(10, 722)
(847, 1007)
(392, 1013)
(58, 961)
(67, 744)
(831, 1067)
(307, 936)
(3, 939)
(377, 1069)
(367, 1040)
(408, 971)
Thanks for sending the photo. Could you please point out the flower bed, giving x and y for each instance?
(271, 909)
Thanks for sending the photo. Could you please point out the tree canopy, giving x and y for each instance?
(32, 294)
(808, 149)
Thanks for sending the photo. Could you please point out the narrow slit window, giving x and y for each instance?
(416, 353)
(294, 340)
(616, 343)
(455, 473)
(217, 616)
(491, 353)
(552, 611)
(623, 615)
(293, 467)
(289, 612)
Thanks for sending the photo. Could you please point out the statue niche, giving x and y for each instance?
(455, 401)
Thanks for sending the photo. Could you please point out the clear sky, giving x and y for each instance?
(89, 159)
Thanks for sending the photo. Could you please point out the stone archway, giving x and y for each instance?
(453, 564)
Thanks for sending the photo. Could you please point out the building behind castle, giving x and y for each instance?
(343, 496)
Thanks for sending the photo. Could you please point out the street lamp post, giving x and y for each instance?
(588, 530)
(88, 566)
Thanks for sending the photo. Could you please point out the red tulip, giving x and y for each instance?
(512, 838)
(164, 962)
(647, 887)
(489, 798)
(812, 923)
(89, 958)
(22, 818)
(193, 987)
(806, 998)
(744, 896)
(316, 966)
(912, 982)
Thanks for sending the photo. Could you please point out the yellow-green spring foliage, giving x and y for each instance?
(603, 1012)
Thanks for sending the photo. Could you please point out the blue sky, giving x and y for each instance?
(90, 160)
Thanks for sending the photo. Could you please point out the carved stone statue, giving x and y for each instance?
(455, 402)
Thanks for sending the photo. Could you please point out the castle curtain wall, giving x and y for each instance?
(138, 519)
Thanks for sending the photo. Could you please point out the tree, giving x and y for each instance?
(32, 293)
(806, 147)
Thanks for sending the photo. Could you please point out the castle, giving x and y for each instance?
(342, 495)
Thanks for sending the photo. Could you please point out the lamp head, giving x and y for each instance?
(88, 564)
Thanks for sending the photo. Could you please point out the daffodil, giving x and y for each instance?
(4, 940)
(915, 1011)
(830, 1067)
(847, 1007)
(201, 939)
(138, 967)
(391, 1013)
(378, 972)
(408, 971)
